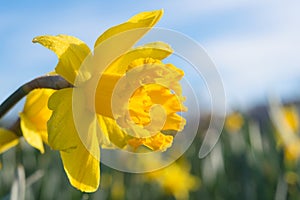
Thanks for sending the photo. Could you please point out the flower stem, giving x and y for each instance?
(16, 127)
(55, 82)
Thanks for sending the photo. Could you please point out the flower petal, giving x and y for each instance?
(158, 142)
(31, 134)
(80, 153)
(104, 93)
(7, 140)
(123, 36)
(153, 71)
(142, 101)
(174, 122)
(70, 50)
(35, 116)
(63, 134)
(155, 50)
(82, 168)
(111, 134)
(61, 127)
(141, 20)
(171, 104)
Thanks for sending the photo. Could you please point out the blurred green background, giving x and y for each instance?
(252, 160)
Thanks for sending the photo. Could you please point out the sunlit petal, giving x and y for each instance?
(155, 50)
(111, 134)
(82, 168)
(158, 142)
(61, 127)
(35, 116)
(141, 20)
(7, 140)
(70, 51)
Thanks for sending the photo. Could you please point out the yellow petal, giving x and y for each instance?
(155, 50)
(111, 134)
(147, 96)
(158, 142)
(82, 168)
(35, 116)
(148, 70)
(117, 40)
(31, 134)
(104, 93)
(167, 74)
(79, 153)
(63, 134)
(7, 140)
(291, 117)
(139, 107)
(142, 101)
(61, 127)
(292, 152)
(114, 72)
(234, 122)
(174, 122)
(70, 50)
(171, 104)
(141, 20)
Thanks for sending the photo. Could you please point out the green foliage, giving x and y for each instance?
(247, 164)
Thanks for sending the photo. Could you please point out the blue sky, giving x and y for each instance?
(255, 45)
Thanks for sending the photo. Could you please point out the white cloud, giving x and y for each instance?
(253, 63)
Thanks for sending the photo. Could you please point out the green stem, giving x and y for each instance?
(55, 82)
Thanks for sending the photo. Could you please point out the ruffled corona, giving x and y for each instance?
(157, 84)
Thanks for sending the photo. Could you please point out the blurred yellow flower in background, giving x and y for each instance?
(291, 138)
(175, 179)
(234, 122)
(292, 151)
(291, 117)
(286, 121)
(117, 186)
(291, 177)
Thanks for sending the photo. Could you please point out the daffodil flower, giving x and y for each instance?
(286, 122)
(33, 122)
(111, 119)
(175, 179)
(8, 139)
(35, 116)
(291, 135)
(234, 122)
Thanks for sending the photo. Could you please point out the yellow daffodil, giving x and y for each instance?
(128, 122)
(286, 121)
(8, 140)
(291, 177)
(291, 117)
(33, 122)
(234, 122)
(175, 180)
(117, 186)
(292, 151)
(291, 121)
(35, 116)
